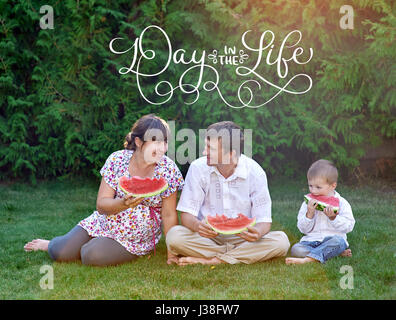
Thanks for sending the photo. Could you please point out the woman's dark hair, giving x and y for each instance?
(147, 128)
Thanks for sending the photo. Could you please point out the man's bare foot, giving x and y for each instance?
(37, 244)
(184, 261)
(346, 253)
(299, 260)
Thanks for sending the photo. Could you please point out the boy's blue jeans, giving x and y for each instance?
(319, 250)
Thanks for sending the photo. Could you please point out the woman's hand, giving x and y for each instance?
(107, 204)
(131, 202)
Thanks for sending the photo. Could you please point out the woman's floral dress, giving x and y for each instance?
(139, 229)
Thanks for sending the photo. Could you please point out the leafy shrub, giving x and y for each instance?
(64, 107)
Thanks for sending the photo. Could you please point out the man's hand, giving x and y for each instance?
(205, 231)
(329, 212)
(252, 234)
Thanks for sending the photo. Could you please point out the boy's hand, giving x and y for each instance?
(312, 204)
(329, 212)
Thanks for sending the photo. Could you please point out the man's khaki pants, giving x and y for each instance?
(228, 248)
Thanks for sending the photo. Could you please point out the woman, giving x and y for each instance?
(124, 227)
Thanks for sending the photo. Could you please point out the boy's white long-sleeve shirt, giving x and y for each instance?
(320, 226)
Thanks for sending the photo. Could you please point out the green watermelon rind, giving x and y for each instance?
(231, 231)
(321, 205)
(144, 195)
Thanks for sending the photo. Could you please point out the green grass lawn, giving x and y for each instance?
(53, 208)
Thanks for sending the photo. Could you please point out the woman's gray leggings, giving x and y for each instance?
(78, 245)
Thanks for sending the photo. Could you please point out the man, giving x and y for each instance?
(225, 182)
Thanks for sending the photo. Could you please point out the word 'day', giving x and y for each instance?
(194, 78)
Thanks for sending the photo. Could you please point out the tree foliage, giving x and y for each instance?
(64, 107)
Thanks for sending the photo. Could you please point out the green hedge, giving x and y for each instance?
(64, 107)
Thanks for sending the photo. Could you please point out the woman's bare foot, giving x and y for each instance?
(184, 261)
(346, 253)
(37, 244)
(299, 260)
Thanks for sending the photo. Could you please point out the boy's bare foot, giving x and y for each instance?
(184, 261)
(299, 260)
(37, 244)
(346, 253)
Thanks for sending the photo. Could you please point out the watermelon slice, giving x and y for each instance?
(324, 201)
(225, 225)
(142, 187)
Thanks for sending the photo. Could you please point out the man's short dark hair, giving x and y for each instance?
(230, 133)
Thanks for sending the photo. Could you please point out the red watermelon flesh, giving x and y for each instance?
(223, 224)
(142, 187)
(324, 201)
